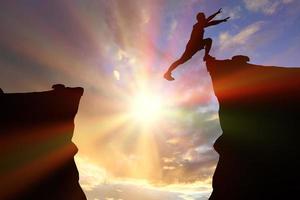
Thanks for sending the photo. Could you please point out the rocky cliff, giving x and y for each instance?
(260, 118)
(36, 155)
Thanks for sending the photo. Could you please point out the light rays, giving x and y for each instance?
(116, 51)
(48, 152)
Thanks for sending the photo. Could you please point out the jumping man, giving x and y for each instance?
(196, 42)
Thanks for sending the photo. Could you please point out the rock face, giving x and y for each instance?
(36, 149)
(260, 118)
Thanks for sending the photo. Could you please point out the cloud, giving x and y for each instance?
(130, 190)
(241, 39)
(97, 184)
(287, 1)
(173, 27)
(91, 175)
(267, 7)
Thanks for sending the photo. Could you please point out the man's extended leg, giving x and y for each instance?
(185, 57)
(207, 43)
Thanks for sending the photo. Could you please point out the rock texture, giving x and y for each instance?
(260, 118)
(36, 152)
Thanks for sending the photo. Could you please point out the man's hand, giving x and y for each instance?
(225, 20)
(213, 16)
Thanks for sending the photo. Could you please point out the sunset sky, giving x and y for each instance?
(139, 136)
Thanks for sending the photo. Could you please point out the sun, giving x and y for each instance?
(146, 108)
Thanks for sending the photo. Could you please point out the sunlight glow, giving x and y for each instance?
(146, 108)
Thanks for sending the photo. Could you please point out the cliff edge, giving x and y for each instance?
(36, 155)
(260, 118)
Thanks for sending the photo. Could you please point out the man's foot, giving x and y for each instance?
(168, 76)
(206, 57)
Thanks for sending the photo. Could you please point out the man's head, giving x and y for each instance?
(201, 17)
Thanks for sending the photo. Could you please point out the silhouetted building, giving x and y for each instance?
(36, 151)
(260, 118)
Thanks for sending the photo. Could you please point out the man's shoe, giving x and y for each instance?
(206, 57)
(168, 76)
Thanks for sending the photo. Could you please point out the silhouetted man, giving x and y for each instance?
(196, 42)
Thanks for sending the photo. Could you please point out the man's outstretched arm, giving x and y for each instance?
(214, 15)
(215, 22)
